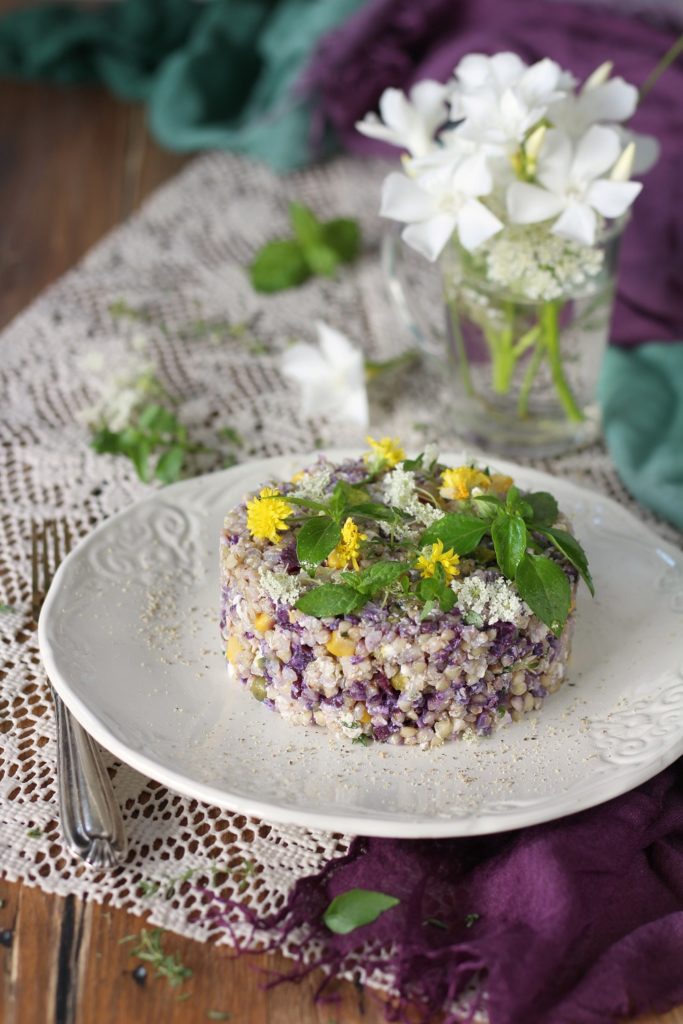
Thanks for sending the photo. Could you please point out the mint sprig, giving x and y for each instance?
(318, 247)
(355, 908)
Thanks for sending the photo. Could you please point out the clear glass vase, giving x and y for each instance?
(522, 365)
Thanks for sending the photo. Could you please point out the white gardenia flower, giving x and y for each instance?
(500, 98)
(331, 376)
(573, 185)
(441, 199)
(409, 122)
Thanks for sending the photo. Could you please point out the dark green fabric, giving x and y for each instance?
(219, 75)
(641, 393)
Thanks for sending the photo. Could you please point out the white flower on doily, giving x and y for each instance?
(330, 375)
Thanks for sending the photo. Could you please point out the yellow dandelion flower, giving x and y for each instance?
(267, 514)
(348, 548)
(437, 556)
(385, 454)
(298, 477)
(458, 484)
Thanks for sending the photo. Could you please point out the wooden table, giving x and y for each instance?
(73, 164)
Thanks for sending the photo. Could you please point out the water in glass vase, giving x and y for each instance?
(526, 369)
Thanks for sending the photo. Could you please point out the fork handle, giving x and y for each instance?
(90, 817)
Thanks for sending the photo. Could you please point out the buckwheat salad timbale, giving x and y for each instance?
(399, 600)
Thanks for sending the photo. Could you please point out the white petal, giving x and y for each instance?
(476, 223)
(473, 70)
(337, 349)
(428, 98)
(473, 176)
(540, 81)
(595, 153)
(529, 204)
(554, 161)
(430, 237)
(372, 127)
(393, 109)
(404, 200)
(615, 100)
(352, 407)
(612, 198)
(303, 362)
(507, 68)
(578, 222)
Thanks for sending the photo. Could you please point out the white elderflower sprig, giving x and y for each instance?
(539, 265)
(279, 586)
(496, 601)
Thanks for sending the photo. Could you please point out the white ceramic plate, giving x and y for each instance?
(130, 639)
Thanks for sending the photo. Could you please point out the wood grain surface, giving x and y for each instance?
(73, 164)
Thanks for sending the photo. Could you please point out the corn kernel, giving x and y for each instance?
(340, 646)
(365, 718)
(233, 649)
(263, 622)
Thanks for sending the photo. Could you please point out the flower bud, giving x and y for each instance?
(623, 168)
(598, 77)
(532, 146)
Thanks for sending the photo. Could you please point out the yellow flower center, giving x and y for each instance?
(267, 515)
(437, 556)
(348, 548)
(385, 454)
(458, 484)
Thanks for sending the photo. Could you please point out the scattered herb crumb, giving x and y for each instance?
(166, 965)
(435, 923)
(362, 740)
(148, 887)
(218, 1015)
(35, 832)
(471, 919)
(7, 609)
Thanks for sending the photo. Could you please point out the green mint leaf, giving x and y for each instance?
(345, 498)
(106, 442)
(343, 236)
(572, 551)
(545, 588)
(509, 542)
(543, 507)
(373, 510)
(316, 539)
(307, 503)
(321, 259)
(330, 600)
(307, 228)
(158, 420)
(375, 578)
(462, 533)
(413, 464)
(487, 505)
(138, 451)
(355, 908)
(169, 466)
(279, 265)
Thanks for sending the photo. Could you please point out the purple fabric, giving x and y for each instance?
(580, 920)
(398, 42)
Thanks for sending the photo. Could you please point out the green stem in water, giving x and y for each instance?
(459, 342)
(502, 352)
(667, 60)
(550, 325)
(530, 375)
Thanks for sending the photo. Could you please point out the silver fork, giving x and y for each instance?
(91, 821)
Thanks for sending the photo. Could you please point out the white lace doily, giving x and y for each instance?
(181, 261)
